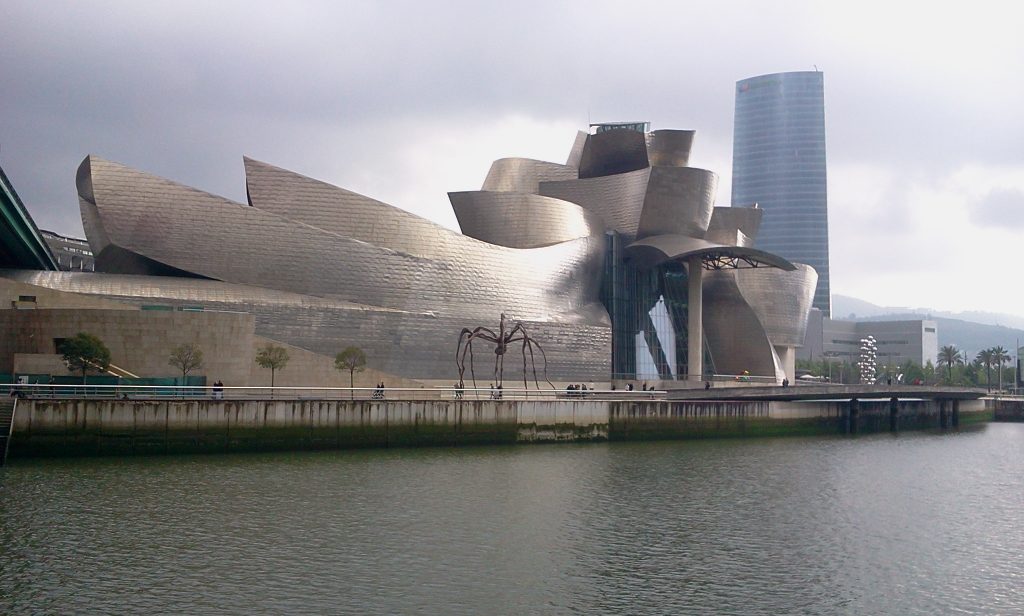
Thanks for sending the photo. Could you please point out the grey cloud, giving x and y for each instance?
(184, 89)
(1003, 208)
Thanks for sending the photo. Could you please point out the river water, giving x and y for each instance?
(921, 523)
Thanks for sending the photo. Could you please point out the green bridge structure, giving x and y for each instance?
(21, 244)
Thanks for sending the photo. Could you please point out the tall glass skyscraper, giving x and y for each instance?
(778, 162)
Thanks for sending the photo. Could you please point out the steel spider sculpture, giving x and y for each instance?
(501, 340)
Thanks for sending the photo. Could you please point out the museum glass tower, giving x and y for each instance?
(778, 162)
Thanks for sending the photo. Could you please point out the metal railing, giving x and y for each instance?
(373, 394)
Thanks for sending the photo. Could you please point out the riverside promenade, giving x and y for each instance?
(156, 423)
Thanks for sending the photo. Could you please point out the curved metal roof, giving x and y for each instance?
(656, 249)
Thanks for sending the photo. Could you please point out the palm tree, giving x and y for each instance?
(949, 356)
(985, 358)
(999, 357)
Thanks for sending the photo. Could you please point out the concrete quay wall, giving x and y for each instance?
(1007, 409)
(129, 427)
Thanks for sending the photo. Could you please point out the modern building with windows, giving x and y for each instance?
(779, 163)
(915, 340)
(617, 263)
(72, 254)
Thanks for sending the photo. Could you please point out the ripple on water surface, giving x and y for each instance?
(914, 524)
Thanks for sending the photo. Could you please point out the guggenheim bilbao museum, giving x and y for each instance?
(617, 263)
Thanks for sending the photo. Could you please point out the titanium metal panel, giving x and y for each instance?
(781, 300)
(736, 226)
(336, 210)
(419, 345)
(576, 153)
(678, 201)
(613, 152)
(732, 331)
(617, 199)
(524, 174)
(669, 148)
(213, 237)
(521, 220)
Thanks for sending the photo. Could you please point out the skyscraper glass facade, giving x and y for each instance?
(779, 163)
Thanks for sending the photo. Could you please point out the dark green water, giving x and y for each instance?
(914, 524)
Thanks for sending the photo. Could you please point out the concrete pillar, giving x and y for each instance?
(695, 322)
(942, 414)
(851, 423)
(956, 413)
(787, 355)
(894, 414)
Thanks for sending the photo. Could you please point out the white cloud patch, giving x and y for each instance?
(1002, 207)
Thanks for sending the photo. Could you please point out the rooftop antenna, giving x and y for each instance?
(816, 69)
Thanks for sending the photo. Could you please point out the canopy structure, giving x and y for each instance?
(656, 249)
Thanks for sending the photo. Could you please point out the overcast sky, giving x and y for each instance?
(405, 101)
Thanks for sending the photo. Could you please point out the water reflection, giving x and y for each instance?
(914, 524)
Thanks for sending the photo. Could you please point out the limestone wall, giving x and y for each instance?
(140, 341)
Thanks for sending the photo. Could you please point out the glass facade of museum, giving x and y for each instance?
(648, 310)
(779, 163)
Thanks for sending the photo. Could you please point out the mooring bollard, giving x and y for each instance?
(894, 414)
(942, 415)
(851, 425)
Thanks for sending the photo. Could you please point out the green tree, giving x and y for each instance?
(354, 360)
(273, 357)
(999, 357)
(984, 358)
(85, 352)
(950, 356)
(186, 357)
(929, 373)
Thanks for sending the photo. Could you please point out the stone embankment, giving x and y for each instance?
(1007, 409)
(128, 427)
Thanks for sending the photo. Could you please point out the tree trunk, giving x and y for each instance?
(351, 386)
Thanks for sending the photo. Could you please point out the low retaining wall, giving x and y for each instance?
(1004, 409)
(126, 427)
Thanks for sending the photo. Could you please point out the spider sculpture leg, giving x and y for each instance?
(528, 344)
(460, 352)
(531, 343)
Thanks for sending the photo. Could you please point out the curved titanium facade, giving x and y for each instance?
(613, 152)
(524, 174)
(589, 256)
(779, 163)
(735, 336)
(522, 220)
(617, 199)
(422, 282)
(669, 148)
(781, 300)
(576, 152)
(678, 200)
(734, 226)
